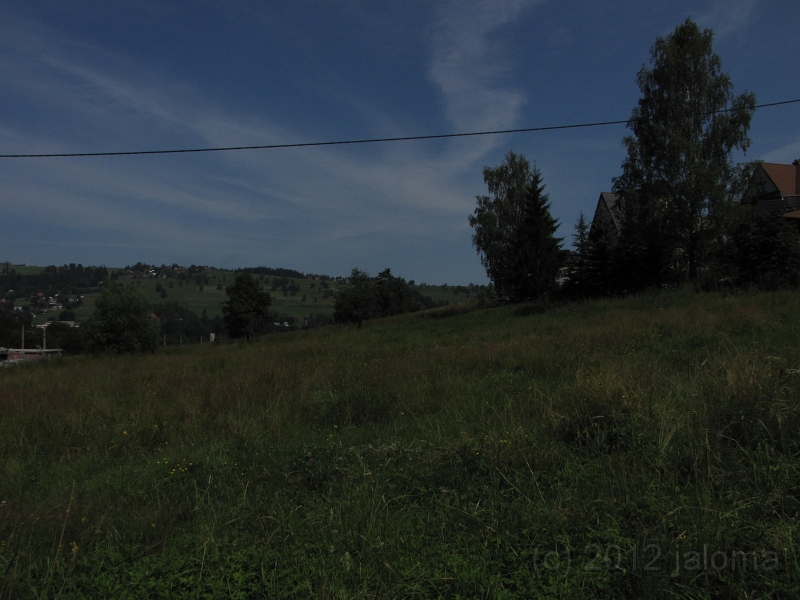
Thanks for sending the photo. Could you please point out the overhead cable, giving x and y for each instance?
(361, 141)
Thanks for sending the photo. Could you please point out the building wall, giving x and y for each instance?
(17, 354)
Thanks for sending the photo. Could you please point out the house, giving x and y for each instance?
(775, 187)
(772, 187)
(609, 213)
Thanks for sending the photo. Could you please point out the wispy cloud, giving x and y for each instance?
(729, 16)
(468, 64)
(244, 202)
(785, 154)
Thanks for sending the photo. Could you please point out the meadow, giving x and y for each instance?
(640, 447)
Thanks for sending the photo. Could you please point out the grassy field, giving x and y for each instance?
(646, 447)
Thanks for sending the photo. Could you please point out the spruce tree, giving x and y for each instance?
(515, 232)
(576, 285)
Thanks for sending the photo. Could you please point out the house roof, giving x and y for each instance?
(612, 202)
(783, 176)
(608, 205)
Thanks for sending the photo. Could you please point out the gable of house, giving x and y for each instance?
(608, 213)
(774, 186)
(784, 177)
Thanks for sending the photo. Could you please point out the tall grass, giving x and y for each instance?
(492, 453)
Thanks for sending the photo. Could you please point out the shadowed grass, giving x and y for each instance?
(419, 457)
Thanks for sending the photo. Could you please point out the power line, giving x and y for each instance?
(361, 141)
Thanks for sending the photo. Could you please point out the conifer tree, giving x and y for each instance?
(515, 232)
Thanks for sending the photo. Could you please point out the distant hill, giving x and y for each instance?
(198, 288)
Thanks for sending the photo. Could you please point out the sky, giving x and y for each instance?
(98, 76)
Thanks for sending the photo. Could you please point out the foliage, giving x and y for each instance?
(246, 312)
(569, 454)
(576, 285)
(356, 301)
(121, 323)
(66, 315)
(69, 339)
(317, 320)
(677, 176)
(393, 296)
(72, 277)
(182, 325)
(11, 325)
(364, 298)
(766, 249)
(514, 231)
(279, 272)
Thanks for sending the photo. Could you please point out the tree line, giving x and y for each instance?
(675, 217)
(125, 322)
(70, 279)
(365, 297)
(676, 213)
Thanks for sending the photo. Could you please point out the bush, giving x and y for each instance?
(69, 339)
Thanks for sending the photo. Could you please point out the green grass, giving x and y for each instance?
(495, 453)
(185, 294)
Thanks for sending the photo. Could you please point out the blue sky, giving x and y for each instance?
(84, 76)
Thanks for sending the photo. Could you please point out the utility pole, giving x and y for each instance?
(44, 338)
(23, 337)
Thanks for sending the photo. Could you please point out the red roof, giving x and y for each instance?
(783, 176)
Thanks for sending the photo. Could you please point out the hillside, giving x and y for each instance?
(647, 447)
(309, 296)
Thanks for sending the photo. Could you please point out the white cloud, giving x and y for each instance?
(305, 205)
(785, 154)
(259, 202)
(728, 17)
(468, 64)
